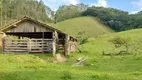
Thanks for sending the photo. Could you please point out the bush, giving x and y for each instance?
(66, 76)
(119, 42)
(82, 38)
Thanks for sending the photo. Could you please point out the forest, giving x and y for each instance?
(117, 20)
(15, 9)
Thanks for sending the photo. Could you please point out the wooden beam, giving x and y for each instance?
(54, 43)
(67, 38)
(29, 46)
(42, 43)
(3, 47)
(33, 35)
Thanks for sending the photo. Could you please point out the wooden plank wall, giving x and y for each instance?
(28, 26)
(70, 45)
(40, 45)
(27, 46)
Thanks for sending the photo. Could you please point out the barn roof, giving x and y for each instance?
(11, 25)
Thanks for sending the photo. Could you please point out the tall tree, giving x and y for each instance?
(13, 9)
(66, 12)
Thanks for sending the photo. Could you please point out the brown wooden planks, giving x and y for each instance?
(31, 45)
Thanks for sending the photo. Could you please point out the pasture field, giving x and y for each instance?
(98, 66)
(89, 25)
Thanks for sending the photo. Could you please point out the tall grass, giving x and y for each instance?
(98, 67)
(89, 25)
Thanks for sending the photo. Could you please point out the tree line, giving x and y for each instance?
(14, 9)
(115, 19)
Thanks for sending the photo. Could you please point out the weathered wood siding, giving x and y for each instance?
(67, 49)
(72, 46)
(27, 26)
(26, 45)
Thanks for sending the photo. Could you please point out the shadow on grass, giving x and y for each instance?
(51, 75)
(29, 75)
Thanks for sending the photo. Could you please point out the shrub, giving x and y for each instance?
(93, 77)
(66, 76)
(119, 42)
(82, 38)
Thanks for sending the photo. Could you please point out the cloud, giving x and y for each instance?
(134, 12)
(54, 4)
(72, 2)
(137, 5)
(100, 3)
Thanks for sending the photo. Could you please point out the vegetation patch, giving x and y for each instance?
(89, 26)
(97, 67)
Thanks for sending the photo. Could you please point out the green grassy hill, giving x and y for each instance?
(98, 66)
(102, 42)
(89, 25)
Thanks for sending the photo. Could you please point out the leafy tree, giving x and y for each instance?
(66, 12)
(82, 38)
(114, 18)
(13, 9)
(119, 42)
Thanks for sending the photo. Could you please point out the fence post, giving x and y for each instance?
(29, 45)
(3, 45)
(67, 45)
(54, 44)
(42, 46)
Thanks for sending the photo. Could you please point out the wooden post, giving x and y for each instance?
(3, 45)
(67, 38)
(54, 44)
(42, 42)
(29, 46)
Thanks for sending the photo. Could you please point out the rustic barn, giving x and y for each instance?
(36, 37)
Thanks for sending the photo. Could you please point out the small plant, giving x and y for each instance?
(120, 42)
(82, 38)
(57, 50)
(95, 77)
(66, 76)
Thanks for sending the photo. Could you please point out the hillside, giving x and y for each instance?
(102, 42)
(89, 25)
(98, 66)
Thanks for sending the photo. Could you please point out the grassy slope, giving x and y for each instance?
(98, 67)
(101, 43)
(88, 24)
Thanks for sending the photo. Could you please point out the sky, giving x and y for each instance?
(131, 6)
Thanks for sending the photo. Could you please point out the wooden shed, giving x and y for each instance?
(36, 37)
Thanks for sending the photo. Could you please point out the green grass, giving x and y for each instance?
(98, 67)
(90, 25)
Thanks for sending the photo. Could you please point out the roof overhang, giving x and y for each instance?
(14, 24)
